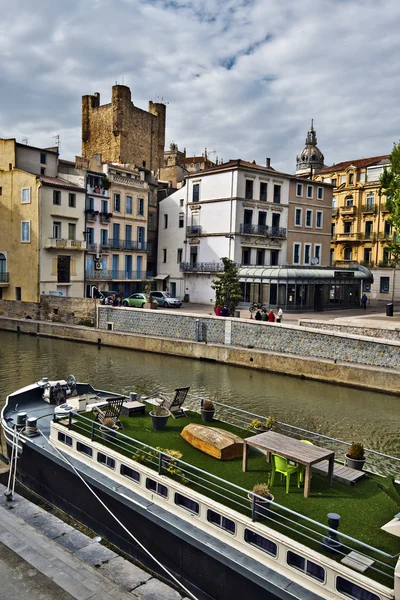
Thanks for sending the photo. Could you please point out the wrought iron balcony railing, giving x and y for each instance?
(4, 277)
(194, 230)
(212, 267)
(265, 230)
(111, 275)
(128, 245)
(368, 208)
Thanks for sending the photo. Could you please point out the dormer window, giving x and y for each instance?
(351, 178)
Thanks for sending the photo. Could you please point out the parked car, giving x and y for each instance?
(165, 300)
(137, 300)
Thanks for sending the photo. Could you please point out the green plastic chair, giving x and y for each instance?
(282, 466)
(302, 468)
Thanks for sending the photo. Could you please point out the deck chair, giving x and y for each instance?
(172, 402)
(281, 465)
(112, 411)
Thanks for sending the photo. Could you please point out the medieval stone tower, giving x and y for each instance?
(123, 133)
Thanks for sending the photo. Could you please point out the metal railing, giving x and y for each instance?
(128, 245)
(266, 230)
(4, 277)
(368, 208)
(110, 275)
(194, 230)
(213, 267)
(276, 516)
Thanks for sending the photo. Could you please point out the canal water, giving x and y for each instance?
(337, 411)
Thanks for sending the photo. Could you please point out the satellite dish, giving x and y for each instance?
(315, 261)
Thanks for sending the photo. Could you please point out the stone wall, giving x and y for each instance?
(274, 338)
(73, 311)
(374, 332)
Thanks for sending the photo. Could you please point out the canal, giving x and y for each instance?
(345, 413)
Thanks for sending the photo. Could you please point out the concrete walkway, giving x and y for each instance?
(43, 558)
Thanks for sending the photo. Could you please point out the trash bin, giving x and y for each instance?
(389, 309)
(186, 298)
(237, 314)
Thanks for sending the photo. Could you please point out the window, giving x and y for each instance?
(274, 262)
(347, 254)
(84, 449)
(164, 255)
(104, 237)
(246, 256)
(128, 236)
(90, 235)
(277, 194)
(187, 504)
(384, 285)
(105, 460)
(263, 191)
(1, 191)
(179, 255)
(310, 191)
(298, 217)
(370, 200)
(306, 566)
(63, 269)
(308, 218)
(65, 439)
(320, 193)
(353, 590)
(25, 195)
(42, 171)
(57, 230)
(343, 179)
(165, 221)
(25, 231)
(349, 201)
(130, 473)
(317, 253)
(334, 181)
(57, 197)
(299, 190)
(307, 254)
(249, 189)
(104, 206)
(90, 204)
(260, 542)
(42, 158)
(260, 257)
(117, 202)
(71, 231)
(181, 202)
(351, 179)
(296, 254)
(157, 488)
(141, 237)
(196, 192)
(72, 200)
(140, 209)
(318, 220)
(128, 205)
(220, 521)
(18, 295)
(181, 220)
(347, 227)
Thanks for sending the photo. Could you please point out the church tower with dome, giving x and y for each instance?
(310, 158)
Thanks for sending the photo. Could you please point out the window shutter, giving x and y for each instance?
(54, 267)
(73, 267)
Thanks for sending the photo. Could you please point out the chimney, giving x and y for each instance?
(268, 162)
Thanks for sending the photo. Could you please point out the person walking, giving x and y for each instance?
(364, 300)
(279, 315)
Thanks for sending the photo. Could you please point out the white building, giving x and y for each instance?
(237, 209)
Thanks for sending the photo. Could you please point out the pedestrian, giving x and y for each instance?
(116, 300)
(279, 315)
(364, 300)
(258, 316)
(271, 317)
(264, 316)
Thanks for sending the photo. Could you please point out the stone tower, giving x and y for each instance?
(310, 158)
(123, 133)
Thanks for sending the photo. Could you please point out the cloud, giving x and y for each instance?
(242, 77)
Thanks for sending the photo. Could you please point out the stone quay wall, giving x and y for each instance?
(73, 311)
(271, 337)
(374, 332)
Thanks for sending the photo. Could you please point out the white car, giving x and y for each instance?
(165, 300)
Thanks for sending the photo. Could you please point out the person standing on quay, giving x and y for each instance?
(279, 315)
(364, 299)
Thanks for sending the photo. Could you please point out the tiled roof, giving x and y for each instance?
(59, 182)
(359, 163)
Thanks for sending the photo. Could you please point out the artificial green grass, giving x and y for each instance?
(363, 507)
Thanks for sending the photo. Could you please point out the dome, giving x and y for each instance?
(310, 159)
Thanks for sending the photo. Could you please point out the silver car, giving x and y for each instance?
(165, 300)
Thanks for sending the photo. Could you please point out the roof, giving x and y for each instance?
(53, 150)
(66, 162)
(59, 182)
(257, 274)
(359, 163)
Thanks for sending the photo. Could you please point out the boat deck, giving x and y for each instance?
(341, 473)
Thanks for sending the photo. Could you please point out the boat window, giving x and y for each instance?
(354, 591)
(156, 487)
(260, 542)
(220, 521)
(131, 473)
(106, 460)
(307, 566)
(65, 439)
(84, 449)
(187, 503)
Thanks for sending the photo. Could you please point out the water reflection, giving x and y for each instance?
(338, 411)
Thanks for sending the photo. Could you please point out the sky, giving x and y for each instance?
(242, 78)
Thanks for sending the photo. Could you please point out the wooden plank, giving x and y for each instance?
(340, 472)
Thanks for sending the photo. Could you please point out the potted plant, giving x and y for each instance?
(207, 411)
(258, 425)
(355, 457)
(151, 303)
(169, 456)
(261, 496)
(159, 417)
(105, 183)
(108, 429)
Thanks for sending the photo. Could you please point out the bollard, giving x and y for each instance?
(331, 542)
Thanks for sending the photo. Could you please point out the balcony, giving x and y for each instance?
(264, 230)
(212, 267)
(61, 244)
(131, 181)
(369, 237)
(335, 212)
(368, 209)
(367, 263)
(91, 215)
(4, 279)
(348, 210)
(194, 230)
(98, 190)
(348, 236)
(384, 207)
(386, 264)
(388, 236)
(111, 275)
(105, 217)
(128, 245)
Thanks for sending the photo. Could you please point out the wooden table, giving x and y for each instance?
(303, 454)
(129, 409)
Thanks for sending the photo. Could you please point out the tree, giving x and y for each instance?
(390, 187)
(227, 287)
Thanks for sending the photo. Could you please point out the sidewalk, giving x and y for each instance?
(43, 558)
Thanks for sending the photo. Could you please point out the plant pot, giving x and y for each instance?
(354, 463)
(262, 505)
(108, 434)
(207, 415)
(152, 305)
(159, 422)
